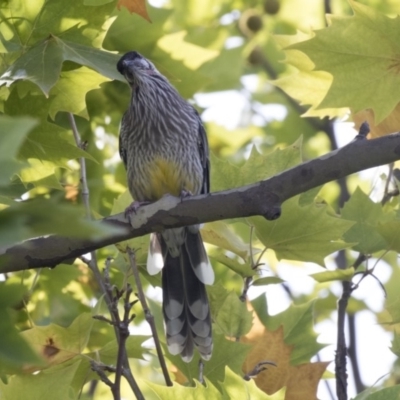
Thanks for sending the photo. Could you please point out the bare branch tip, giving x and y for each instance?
(363, 131)
(273, 213)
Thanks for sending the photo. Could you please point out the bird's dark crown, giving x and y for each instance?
(133, 65)
(122, 63)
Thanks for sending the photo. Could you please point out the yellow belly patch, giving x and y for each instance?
(166, 177)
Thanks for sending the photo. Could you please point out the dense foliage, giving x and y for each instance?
(293, 74)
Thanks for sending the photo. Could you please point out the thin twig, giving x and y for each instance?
(92, 389)
(100, 371)
(148, 315)
(341, 348)
(201, 371)
(82, 163)
(123, 329)
(249, 279)
(352, 351)
(258, 368)
(246, 285)
(93, 261)
(387, 195)
(327, 7)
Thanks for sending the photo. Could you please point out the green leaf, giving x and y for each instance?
(259, 166)
(367, 214)
(396, 342)
(268, 280)
(101, 61)
(230, 139)
(225, 353)
(216, 296)
(129, 31)
(298, 84)
(198, 392)
(47, 143)
(13, 132)
(15, 352)
(219, 234)
(183, 78)
(96, 2)
(225, 175)
(40, 65)
(224, 71)
(29, 23)
(55, 381)
(235, 387)
(25, 220)
(297, 322)
(336, 275)
(361, 53)
(307, 233)
(192, 56)
(393, 307)
(233, 318)
(40, 173)
(70, 91)
(390, 231)
(108, 354)
(57, 344)
(242, 268)
(390, 393)
(139, 244)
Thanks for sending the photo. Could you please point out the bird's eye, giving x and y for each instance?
(144, 63)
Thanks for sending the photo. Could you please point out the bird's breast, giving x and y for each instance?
(161, 176)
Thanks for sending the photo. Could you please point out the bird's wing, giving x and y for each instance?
(204, 156)
(123, 134)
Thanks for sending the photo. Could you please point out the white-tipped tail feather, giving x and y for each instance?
(155, 261)
(185, 304)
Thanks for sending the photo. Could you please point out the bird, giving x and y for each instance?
(164, 147)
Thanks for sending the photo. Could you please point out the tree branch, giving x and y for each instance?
(262, 198)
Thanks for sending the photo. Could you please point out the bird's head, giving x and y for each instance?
(134, 67)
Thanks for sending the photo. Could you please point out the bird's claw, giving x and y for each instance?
(185, 193)
(134, 207)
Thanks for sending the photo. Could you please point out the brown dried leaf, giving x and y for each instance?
(268, 346)
(135, 6)
(389, 125)
(301, 381)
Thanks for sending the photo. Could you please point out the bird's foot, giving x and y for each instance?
(133, 207)
(185, 193)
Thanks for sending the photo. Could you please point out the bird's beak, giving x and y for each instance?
(132, 65)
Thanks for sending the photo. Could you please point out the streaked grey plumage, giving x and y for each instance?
(164, 148)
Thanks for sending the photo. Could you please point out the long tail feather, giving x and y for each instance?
(185, 304)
